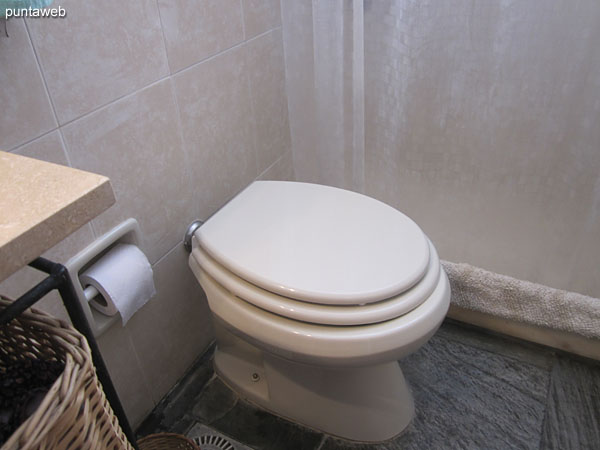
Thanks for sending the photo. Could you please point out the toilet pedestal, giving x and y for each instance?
(362, 403)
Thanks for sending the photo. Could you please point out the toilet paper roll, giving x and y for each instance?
(124, 278)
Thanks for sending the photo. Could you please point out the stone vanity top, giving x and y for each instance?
(41, 204)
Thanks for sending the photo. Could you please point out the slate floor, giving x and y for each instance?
(472, 389)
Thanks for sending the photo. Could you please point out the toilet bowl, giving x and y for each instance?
(316, 293)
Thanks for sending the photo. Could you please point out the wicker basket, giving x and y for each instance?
(74, 414)
(166, 441)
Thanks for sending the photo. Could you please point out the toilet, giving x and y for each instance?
(316, 293)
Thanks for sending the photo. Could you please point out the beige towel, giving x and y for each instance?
(499, 295)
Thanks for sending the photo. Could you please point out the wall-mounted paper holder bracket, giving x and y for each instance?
(127, 232)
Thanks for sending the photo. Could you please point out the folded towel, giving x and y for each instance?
(509, 298)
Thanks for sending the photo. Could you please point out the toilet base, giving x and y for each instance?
(368, 404)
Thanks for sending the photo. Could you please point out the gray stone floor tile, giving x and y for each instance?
(214, 402)
(493, 342)
(473, 390)
(468, 398)
(261, 430)
(573, 413)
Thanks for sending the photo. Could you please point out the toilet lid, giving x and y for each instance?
(316, 243)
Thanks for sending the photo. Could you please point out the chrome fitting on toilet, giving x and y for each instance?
(191, 229)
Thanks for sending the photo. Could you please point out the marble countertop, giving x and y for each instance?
(41, 204)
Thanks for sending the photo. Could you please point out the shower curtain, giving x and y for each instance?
(324, 48)
(476, 119)
(334, 49)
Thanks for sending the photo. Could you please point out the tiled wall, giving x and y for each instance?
(181, 103)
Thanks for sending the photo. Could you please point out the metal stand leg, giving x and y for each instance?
(59, 279)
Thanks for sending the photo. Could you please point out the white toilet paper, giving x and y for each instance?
(123, 276)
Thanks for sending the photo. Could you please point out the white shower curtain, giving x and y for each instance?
(476, 119)
(324, 47)
(333, 50)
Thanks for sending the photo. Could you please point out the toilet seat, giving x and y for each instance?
(358, 345)
(326, 314)
(316, 243)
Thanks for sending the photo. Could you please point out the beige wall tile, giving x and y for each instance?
(266, 72)
(136, 143)
(261, 16)
(174, 328)
(47, 148)
(195, 30)
(99, 52)
(26, 109)
(217, 128)
(126, 373)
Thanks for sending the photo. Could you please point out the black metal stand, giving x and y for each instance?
(59, 279)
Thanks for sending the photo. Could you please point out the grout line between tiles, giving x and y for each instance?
(20, 146)
(95, 232)
(547, 399)
(42, 74)
(287, 87)
(187, 152)
(112, 102)
(271, 166)
(164, 38)
(228, 49)
(64, 146)
(320, 446)
(252, 113)
(168, 252)
(243, 19)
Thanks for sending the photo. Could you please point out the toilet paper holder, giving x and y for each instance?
(127, 232)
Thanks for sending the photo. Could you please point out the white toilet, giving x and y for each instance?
(316, 293)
